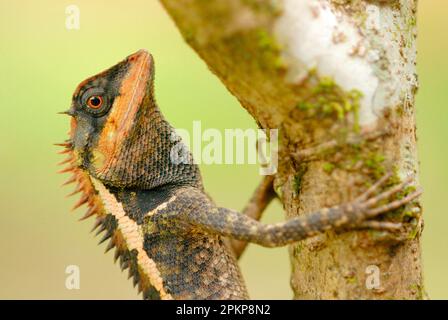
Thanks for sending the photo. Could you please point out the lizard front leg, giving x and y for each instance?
(353, 215)
(265, 193)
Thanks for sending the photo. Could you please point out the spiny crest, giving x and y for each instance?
(103, 224)
(78, 176)
(85, 187)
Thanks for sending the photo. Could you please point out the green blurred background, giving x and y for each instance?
(41, 64)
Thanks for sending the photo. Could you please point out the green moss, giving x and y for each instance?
(406, 191)
(352, 280)
(327, 99)
(328, 167)
(375, 163)
(298, 179)
(279, 192)
(264, 7)
(266, 41)
(355, 97)
(411, 21)
(297, 249)
(410, 24)
(394, 179)
(408, 214)
(402, 214)
(400, 110)
(303, 105)
(270, 49)
(257, 52)
(326, 84)
(414, 231)
(189, 35)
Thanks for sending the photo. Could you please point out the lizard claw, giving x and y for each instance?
(394, 204)
(379, 225)
(367, 202)
(373, 188)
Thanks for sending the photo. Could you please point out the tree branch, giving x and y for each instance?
(322, 71)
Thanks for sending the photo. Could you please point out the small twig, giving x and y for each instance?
(260, 199)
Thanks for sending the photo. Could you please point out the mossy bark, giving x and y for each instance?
(250, 46)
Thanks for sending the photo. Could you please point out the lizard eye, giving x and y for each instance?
(95, 102)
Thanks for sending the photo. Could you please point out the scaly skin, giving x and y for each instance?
(164, 227)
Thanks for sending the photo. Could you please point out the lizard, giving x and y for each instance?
(175, 241)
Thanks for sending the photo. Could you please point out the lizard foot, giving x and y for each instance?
(370, 205)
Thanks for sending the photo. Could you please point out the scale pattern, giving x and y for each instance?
(165, 229)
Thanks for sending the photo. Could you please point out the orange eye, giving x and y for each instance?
(95, 102)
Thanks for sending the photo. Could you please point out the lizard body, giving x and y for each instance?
(165, 229)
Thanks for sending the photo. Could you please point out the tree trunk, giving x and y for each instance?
(338, 79)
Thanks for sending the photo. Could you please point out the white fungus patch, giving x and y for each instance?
(315, 37)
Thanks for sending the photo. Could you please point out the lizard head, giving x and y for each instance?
(119, 140)
(118, 134)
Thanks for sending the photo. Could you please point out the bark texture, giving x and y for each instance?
(338, 79)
